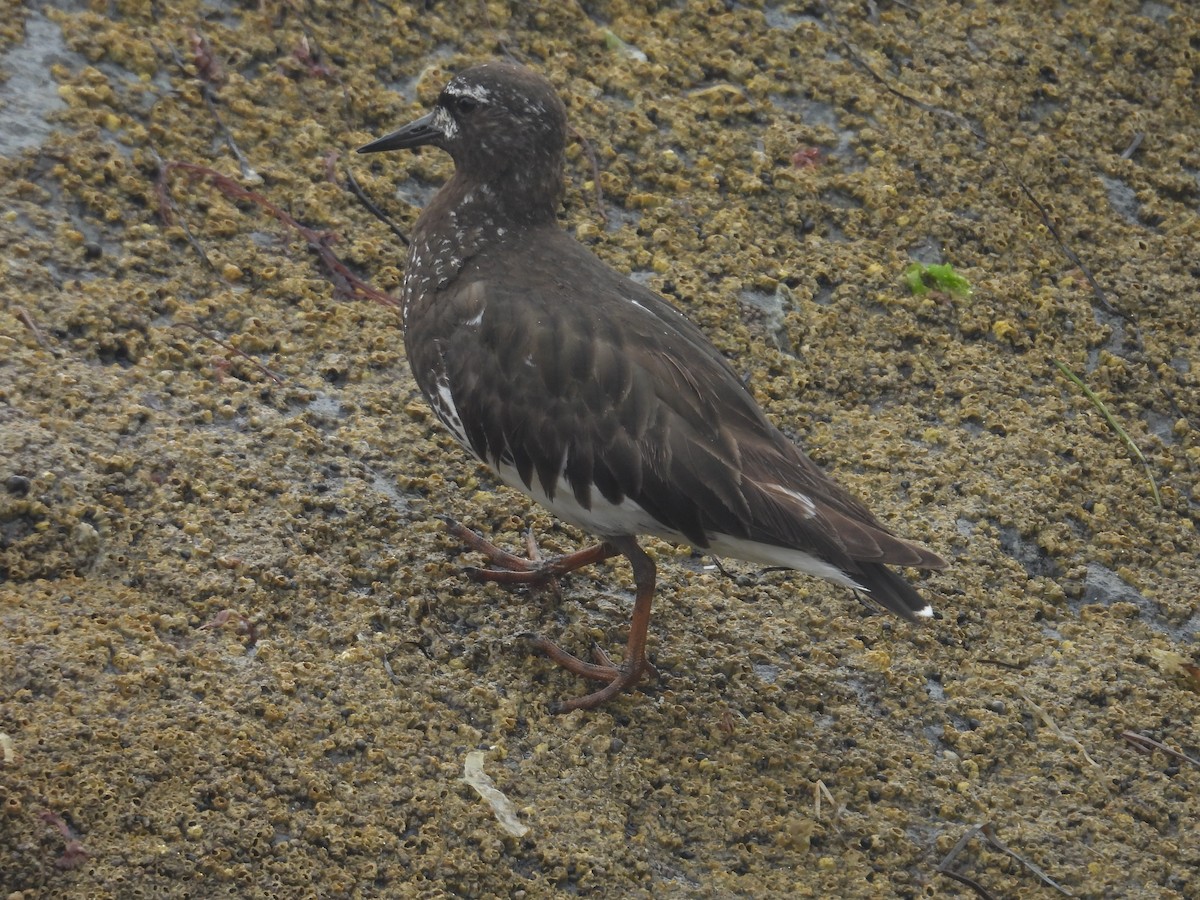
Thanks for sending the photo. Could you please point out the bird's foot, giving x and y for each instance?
(620, 678)
(508, 568)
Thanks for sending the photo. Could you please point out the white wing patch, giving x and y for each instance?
(447, 412)
(807, 508)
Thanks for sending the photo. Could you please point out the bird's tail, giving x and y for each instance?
(891, 591)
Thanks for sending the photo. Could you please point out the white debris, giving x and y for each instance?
(506, 813)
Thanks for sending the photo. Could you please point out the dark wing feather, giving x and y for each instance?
(595, 377)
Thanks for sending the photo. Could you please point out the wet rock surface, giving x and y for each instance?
(237, 653)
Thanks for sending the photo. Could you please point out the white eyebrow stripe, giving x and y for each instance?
(474, 91)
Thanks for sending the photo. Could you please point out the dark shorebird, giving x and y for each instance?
(592, 394)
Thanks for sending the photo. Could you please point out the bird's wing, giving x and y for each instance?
(594, 379)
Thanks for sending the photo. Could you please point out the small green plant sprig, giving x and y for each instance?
(921, 279)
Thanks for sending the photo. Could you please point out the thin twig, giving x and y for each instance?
(318, 241)
(989, 832)
(357, 190)
(944, 866)
(208, 75)
(1148, 745)
(969, 882)
(1097, 291)
(33, 329)
(716, 561)
(1115, 426)
(168, 213)
(990, 660)
(598, 191)
(232, 349)
(1133, 145)
(819, 791)
(1053, 726)
(244, 166)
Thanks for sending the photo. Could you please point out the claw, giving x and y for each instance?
(531, 546)
(601, 657)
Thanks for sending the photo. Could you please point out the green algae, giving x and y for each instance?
(921, 279)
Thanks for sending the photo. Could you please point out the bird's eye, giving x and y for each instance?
(465, 104)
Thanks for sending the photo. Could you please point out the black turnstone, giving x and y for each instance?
(592, 394)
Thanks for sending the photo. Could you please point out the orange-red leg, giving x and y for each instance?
(510, 569)
(623, 677)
